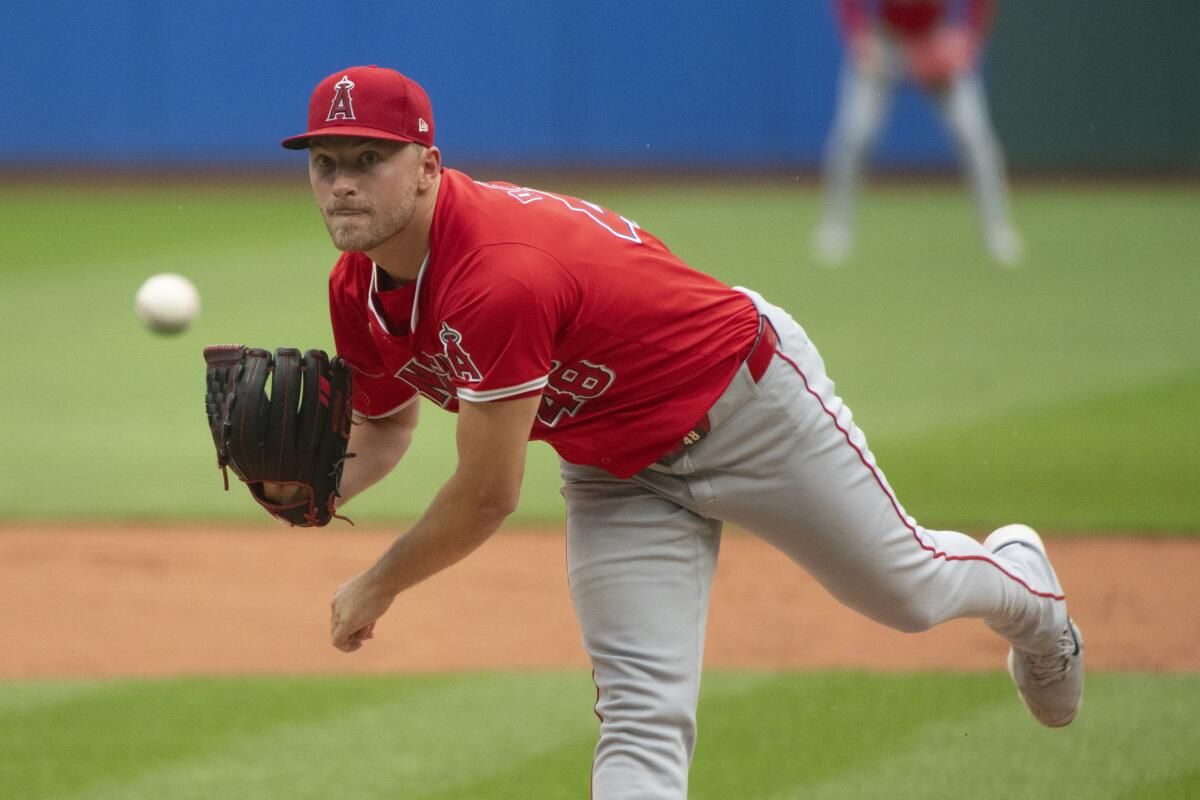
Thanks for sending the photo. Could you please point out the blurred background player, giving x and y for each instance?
(936, 43)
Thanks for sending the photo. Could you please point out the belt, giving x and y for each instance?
(759, 358)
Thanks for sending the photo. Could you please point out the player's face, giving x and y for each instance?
(366, 188)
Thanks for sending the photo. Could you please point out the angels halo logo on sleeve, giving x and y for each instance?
(342, 106)
(459, 359)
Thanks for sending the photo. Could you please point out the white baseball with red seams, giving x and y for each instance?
(167, 303)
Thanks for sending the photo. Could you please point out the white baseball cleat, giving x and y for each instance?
(831, 244)
(1005, 246)
(1050, 682)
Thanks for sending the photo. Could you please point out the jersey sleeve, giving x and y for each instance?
(980, 14)
(852, 18)
(376, 392)
(497, 334)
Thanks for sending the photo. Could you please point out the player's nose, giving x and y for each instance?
(344, 183)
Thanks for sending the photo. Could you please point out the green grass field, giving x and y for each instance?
(816, 736)
(1063, 393)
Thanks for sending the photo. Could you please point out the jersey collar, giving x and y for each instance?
(412, 324)
(374, 292)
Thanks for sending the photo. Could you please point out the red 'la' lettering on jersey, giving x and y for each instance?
(527, 292)
(459, 359)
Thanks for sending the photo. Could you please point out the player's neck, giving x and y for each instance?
(401, 256)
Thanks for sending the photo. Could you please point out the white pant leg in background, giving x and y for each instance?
(963, 108)
(862, 105)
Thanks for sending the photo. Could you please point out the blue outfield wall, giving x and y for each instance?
(559, 83)
(536, 83)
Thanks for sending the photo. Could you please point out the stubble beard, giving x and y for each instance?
(362, 232)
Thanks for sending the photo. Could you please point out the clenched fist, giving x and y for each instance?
(356, 606)
(935, 60)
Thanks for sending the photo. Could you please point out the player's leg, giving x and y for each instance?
(862, 103)
(963, 107)
(640, 567)
(793, 467)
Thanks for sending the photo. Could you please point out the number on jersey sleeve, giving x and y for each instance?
(611, 221)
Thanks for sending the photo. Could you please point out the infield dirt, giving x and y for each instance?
(108, 601)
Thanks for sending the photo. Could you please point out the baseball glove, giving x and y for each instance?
(296, 436)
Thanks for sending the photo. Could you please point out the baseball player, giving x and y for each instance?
(937, 44)
(676, 403)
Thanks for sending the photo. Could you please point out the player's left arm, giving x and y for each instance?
(469, 508)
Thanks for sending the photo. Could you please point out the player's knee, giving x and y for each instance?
(856, 135)
(860, 139)
(909, 615)
(970, 131)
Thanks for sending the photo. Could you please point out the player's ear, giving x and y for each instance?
(431, 167)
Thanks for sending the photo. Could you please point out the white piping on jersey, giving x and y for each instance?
(412, 323)
(364, 372)
(371, 299)
(500, 394)
(375, 288)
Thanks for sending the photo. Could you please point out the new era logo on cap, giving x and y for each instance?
(368, 102)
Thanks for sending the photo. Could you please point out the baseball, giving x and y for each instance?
(167, 303)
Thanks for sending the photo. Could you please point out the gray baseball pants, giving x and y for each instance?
(785, 461)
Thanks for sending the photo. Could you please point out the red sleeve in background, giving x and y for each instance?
(980, 14)
(852, 17)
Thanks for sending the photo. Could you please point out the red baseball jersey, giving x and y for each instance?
(526, 292)
(914, 18)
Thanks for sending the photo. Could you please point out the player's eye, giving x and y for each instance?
(322, 162)
(369, 157)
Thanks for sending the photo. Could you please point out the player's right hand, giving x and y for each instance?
(957, 49)
(356, 606)
(935, 60)
(281, 493)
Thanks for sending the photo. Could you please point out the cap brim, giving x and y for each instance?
(301, 142)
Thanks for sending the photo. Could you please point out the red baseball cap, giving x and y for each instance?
(368, 102)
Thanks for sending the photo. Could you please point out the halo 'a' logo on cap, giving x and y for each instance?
(342, 106)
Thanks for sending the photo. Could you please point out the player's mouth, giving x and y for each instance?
(346, 212)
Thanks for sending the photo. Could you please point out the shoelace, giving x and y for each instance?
(1053, 666)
